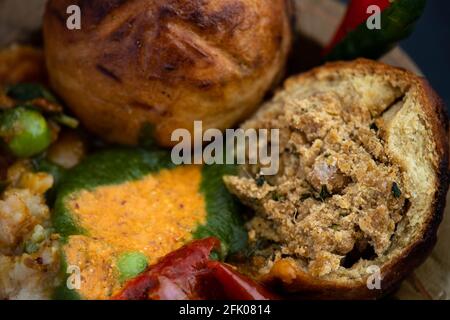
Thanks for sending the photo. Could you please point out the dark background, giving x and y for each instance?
(429, 46)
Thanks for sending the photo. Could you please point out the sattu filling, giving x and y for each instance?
(337, 197)
(155, 216)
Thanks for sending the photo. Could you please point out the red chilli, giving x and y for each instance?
(356, 14)
(189, 274)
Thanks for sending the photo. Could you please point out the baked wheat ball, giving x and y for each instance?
(165, 63)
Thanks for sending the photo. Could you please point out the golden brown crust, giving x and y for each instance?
(166, 63)
(432, 125)
(418, 251)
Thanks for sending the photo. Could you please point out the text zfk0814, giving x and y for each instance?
(235, 309)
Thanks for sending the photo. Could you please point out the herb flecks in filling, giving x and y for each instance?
(340, 192)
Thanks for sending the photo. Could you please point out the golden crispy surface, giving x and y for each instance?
(328, 139)
(167, 63)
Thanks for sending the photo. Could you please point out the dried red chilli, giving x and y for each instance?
(189, 273)
(354, 39)
(356, 14)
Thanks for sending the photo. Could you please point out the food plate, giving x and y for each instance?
(317, 20)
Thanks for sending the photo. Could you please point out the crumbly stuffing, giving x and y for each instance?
(22, 205)
(30, 276)
(336, 193)
(28, 249)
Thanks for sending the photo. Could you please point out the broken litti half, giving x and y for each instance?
(361, 186)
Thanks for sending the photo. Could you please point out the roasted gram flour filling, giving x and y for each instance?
(337, 197)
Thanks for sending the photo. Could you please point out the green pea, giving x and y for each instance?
(25, 131)
(131, 264)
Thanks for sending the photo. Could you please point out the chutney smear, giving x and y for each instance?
(154, 215)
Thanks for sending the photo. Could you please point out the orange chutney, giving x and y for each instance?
(154, 215)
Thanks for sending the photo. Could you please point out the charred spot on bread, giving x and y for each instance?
(108, 73)
(362, 147)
